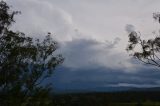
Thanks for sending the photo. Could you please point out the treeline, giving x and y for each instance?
(104, 99)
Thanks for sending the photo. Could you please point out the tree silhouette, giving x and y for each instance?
(148, 51)
(24, 64)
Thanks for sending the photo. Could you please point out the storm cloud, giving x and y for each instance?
(93, 36)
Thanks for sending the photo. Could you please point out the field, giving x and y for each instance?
(109, 99)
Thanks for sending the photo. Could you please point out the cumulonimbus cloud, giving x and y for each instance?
(82, 50)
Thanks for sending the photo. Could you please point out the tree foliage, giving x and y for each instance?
(24, 63)
(149, 50)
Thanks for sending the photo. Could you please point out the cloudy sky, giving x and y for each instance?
(93, 36)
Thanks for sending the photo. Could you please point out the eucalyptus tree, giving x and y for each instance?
(148, 51)
(24, 64)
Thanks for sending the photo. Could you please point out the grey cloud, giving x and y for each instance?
(129, 28)
(82, 52)
(40, 17)
(89, 50)
(67, 78)
(114, 43)
(85, 53)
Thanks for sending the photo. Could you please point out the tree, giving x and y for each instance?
(24, 64)
(149, 50)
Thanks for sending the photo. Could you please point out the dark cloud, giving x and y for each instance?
(86, 53)
(102, 77)
(90, 62)
(129, 28)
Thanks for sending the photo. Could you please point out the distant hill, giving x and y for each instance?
(107, 89)
(145, 89)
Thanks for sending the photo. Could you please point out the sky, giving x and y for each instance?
(93, 36)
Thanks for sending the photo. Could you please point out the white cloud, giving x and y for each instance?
(133, 85)
(95, 23)
(40, 17)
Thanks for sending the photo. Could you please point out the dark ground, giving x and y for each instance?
(127, 98)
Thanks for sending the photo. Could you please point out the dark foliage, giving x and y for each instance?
(149, 50)
(24, 64)
(126, 98)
